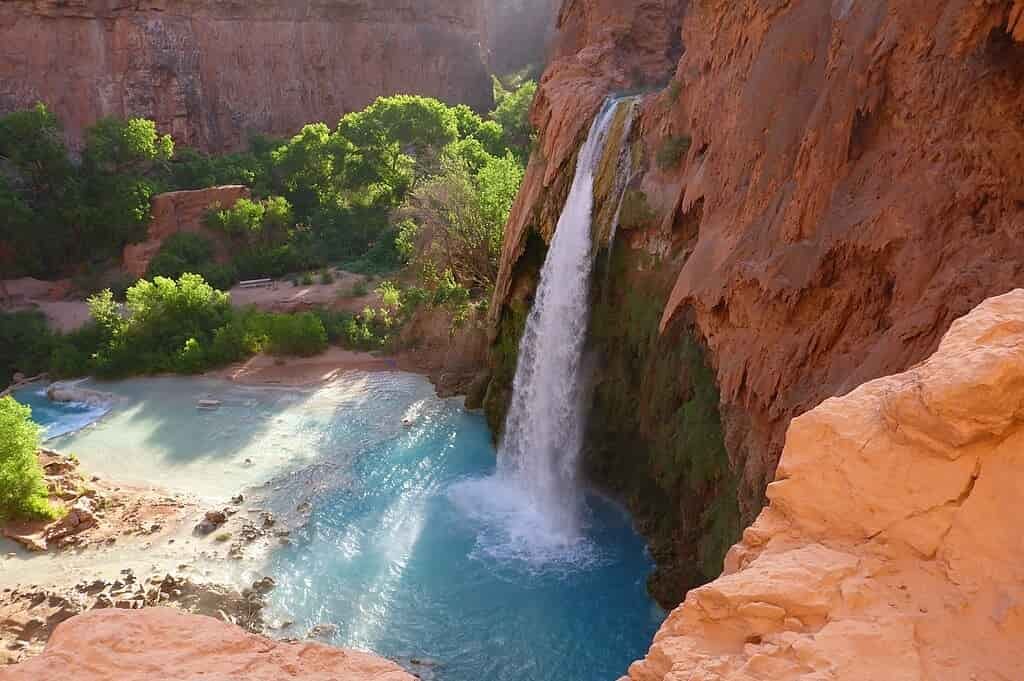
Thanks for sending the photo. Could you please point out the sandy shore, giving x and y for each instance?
(305, 371)
(124, 546)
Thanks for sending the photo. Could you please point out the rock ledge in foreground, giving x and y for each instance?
(161, 644)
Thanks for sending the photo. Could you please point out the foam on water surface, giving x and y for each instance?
(60, 418)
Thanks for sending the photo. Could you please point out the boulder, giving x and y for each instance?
(176, 212)
(890, 549)
(80, 517)
(161, 644)
(211, 521)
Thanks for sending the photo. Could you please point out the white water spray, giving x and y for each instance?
(543, 431)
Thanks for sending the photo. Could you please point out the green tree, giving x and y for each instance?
(33, 142)
(121, 146)
(22, 487)
(167, 326)
(512, 113)
(498, 183)
(311, 167)
(460, 219)
(396, 140)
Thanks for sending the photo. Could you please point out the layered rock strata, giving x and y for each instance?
(216, 73)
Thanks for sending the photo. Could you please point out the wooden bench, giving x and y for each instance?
(256, 283)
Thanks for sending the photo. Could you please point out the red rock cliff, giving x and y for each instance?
(827, 185)
(213, 73)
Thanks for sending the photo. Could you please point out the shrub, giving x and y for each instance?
(72, 354)
(25, 344)
(307, 279)
(235, 341)
(274, 262)
(672, 151)
(185, 253)
(326, 278)
(299, 334)
(335, 323)
(22, 488)
(167, 326)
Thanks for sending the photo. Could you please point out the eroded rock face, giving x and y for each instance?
(214, 73)
(830, 184)
(890, 549)
(859, 188)
(164, 644)
(182, 211)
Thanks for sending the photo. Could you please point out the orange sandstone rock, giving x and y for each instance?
(891, 548)
(166, 645)
(182, 211)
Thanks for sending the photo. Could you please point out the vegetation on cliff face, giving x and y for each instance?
(654, 434)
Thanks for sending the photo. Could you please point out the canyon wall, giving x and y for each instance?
(215, 73)
(819, 190)
(518, 34)
(890, 548)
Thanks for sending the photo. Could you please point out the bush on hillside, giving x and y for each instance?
(301, 335)
(168, 323)
(184, 253)
(23, 491)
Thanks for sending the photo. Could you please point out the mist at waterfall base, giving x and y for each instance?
(545, 572)
(406, 560)
(539, 457)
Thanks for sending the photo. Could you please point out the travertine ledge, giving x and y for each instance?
(891, 548)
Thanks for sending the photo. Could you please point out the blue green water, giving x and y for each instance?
(58, 418)
(404, 540)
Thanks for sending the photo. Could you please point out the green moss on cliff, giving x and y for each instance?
(636, 212)
(654, 434)
(504, 356)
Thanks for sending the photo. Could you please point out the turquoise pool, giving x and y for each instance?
(405, 541)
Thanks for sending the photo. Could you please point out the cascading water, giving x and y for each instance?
(623, 176)
(540, 450)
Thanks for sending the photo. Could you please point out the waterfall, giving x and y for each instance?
(543, 431)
